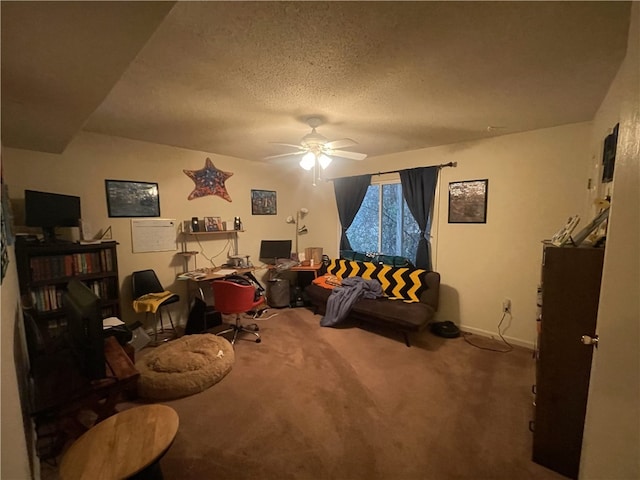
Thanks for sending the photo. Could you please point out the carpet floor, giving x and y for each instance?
(357, 404)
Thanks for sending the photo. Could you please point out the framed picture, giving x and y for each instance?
(212, 224)
(468, 201)
(127, 198)
(263, 202)
(609, 155)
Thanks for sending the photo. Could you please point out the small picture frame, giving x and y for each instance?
(212, 224)
(468, 201)
(126, 198)
(263, 202)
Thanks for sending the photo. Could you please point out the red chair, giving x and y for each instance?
(233, 298)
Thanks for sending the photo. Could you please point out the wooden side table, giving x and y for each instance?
(308, 268)
(128, 443)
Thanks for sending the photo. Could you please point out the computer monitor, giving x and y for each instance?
(272, 250)
(50, 210)
(85, 333)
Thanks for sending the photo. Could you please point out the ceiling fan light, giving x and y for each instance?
(324, 160)
(308, 161)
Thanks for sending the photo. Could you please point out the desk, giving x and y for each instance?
(308, 268)
(130, 442)
(200, 313)
(209, 274)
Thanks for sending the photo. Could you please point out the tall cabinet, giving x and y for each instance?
(570, 289)
(44, 271)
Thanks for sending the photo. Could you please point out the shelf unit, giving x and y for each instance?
(44, 270)
(569, 295)
(186, 233)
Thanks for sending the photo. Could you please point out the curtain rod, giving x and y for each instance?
(442, 165)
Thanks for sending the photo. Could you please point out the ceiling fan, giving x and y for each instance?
(316, 150)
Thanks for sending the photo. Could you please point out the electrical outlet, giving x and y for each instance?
(506, 305)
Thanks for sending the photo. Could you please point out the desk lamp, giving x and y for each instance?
(300, 214)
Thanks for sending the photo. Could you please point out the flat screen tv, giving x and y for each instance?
(272, 250)
(84, 329)
(50, 210)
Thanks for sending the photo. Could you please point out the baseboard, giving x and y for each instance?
(494, 335)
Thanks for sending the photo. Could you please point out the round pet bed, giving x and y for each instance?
(184, 366)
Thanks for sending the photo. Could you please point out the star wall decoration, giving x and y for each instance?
(209, 181)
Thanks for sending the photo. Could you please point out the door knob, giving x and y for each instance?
(588, 340)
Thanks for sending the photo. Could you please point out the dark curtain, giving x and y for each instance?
(418, 189)
(350, 192)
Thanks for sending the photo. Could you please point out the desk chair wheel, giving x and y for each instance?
(258, 340)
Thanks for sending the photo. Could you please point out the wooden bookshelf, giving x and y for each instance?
(44, 270)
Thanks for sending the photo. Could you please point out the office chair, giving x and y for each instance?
(145, 283)
(233, 298)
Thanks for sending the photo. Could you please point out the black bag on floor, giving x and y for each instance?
(446, 329)
(122, 333)
(201, 318)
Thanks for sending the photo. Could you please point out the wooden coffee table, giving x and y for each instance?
(128, 443)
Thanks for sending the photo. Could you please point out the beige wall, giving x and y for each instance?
(15, 461)
(90, 159)
(536, 181)
(605, 119)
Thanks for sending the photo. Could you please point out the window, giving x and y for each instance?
(384, 223)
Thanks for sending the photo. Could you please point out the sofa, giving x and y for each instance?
(410, 298)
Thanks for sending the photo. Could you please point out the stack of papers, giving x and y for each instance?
(201, 275)
(111, 322)
(192, 276)
(223, 272)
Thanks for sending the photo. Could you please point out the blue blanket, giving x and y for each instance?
(343, 297)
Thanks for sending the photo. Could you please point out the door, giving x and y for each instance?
(571, 279)
(611, 439)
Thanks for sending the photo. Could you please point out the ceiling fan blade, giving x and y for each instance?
(299, 147)
(342, 143)
(348, 155)
(282, 155)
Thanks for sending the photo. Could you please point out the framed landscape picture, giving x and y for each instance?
(263, 202)
(468, 201)
(126, 198)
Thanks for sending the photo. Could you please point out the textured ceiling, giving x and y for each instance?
(232, 77)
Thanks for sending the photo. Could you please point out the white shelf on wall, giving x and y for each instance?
(186, 255)
(217, 232)
(186, 233)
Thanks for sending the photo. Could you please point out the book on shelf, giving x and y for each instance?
(60, 266)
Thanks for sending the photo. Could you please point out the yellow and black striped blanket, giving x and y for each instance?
(397, 282)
